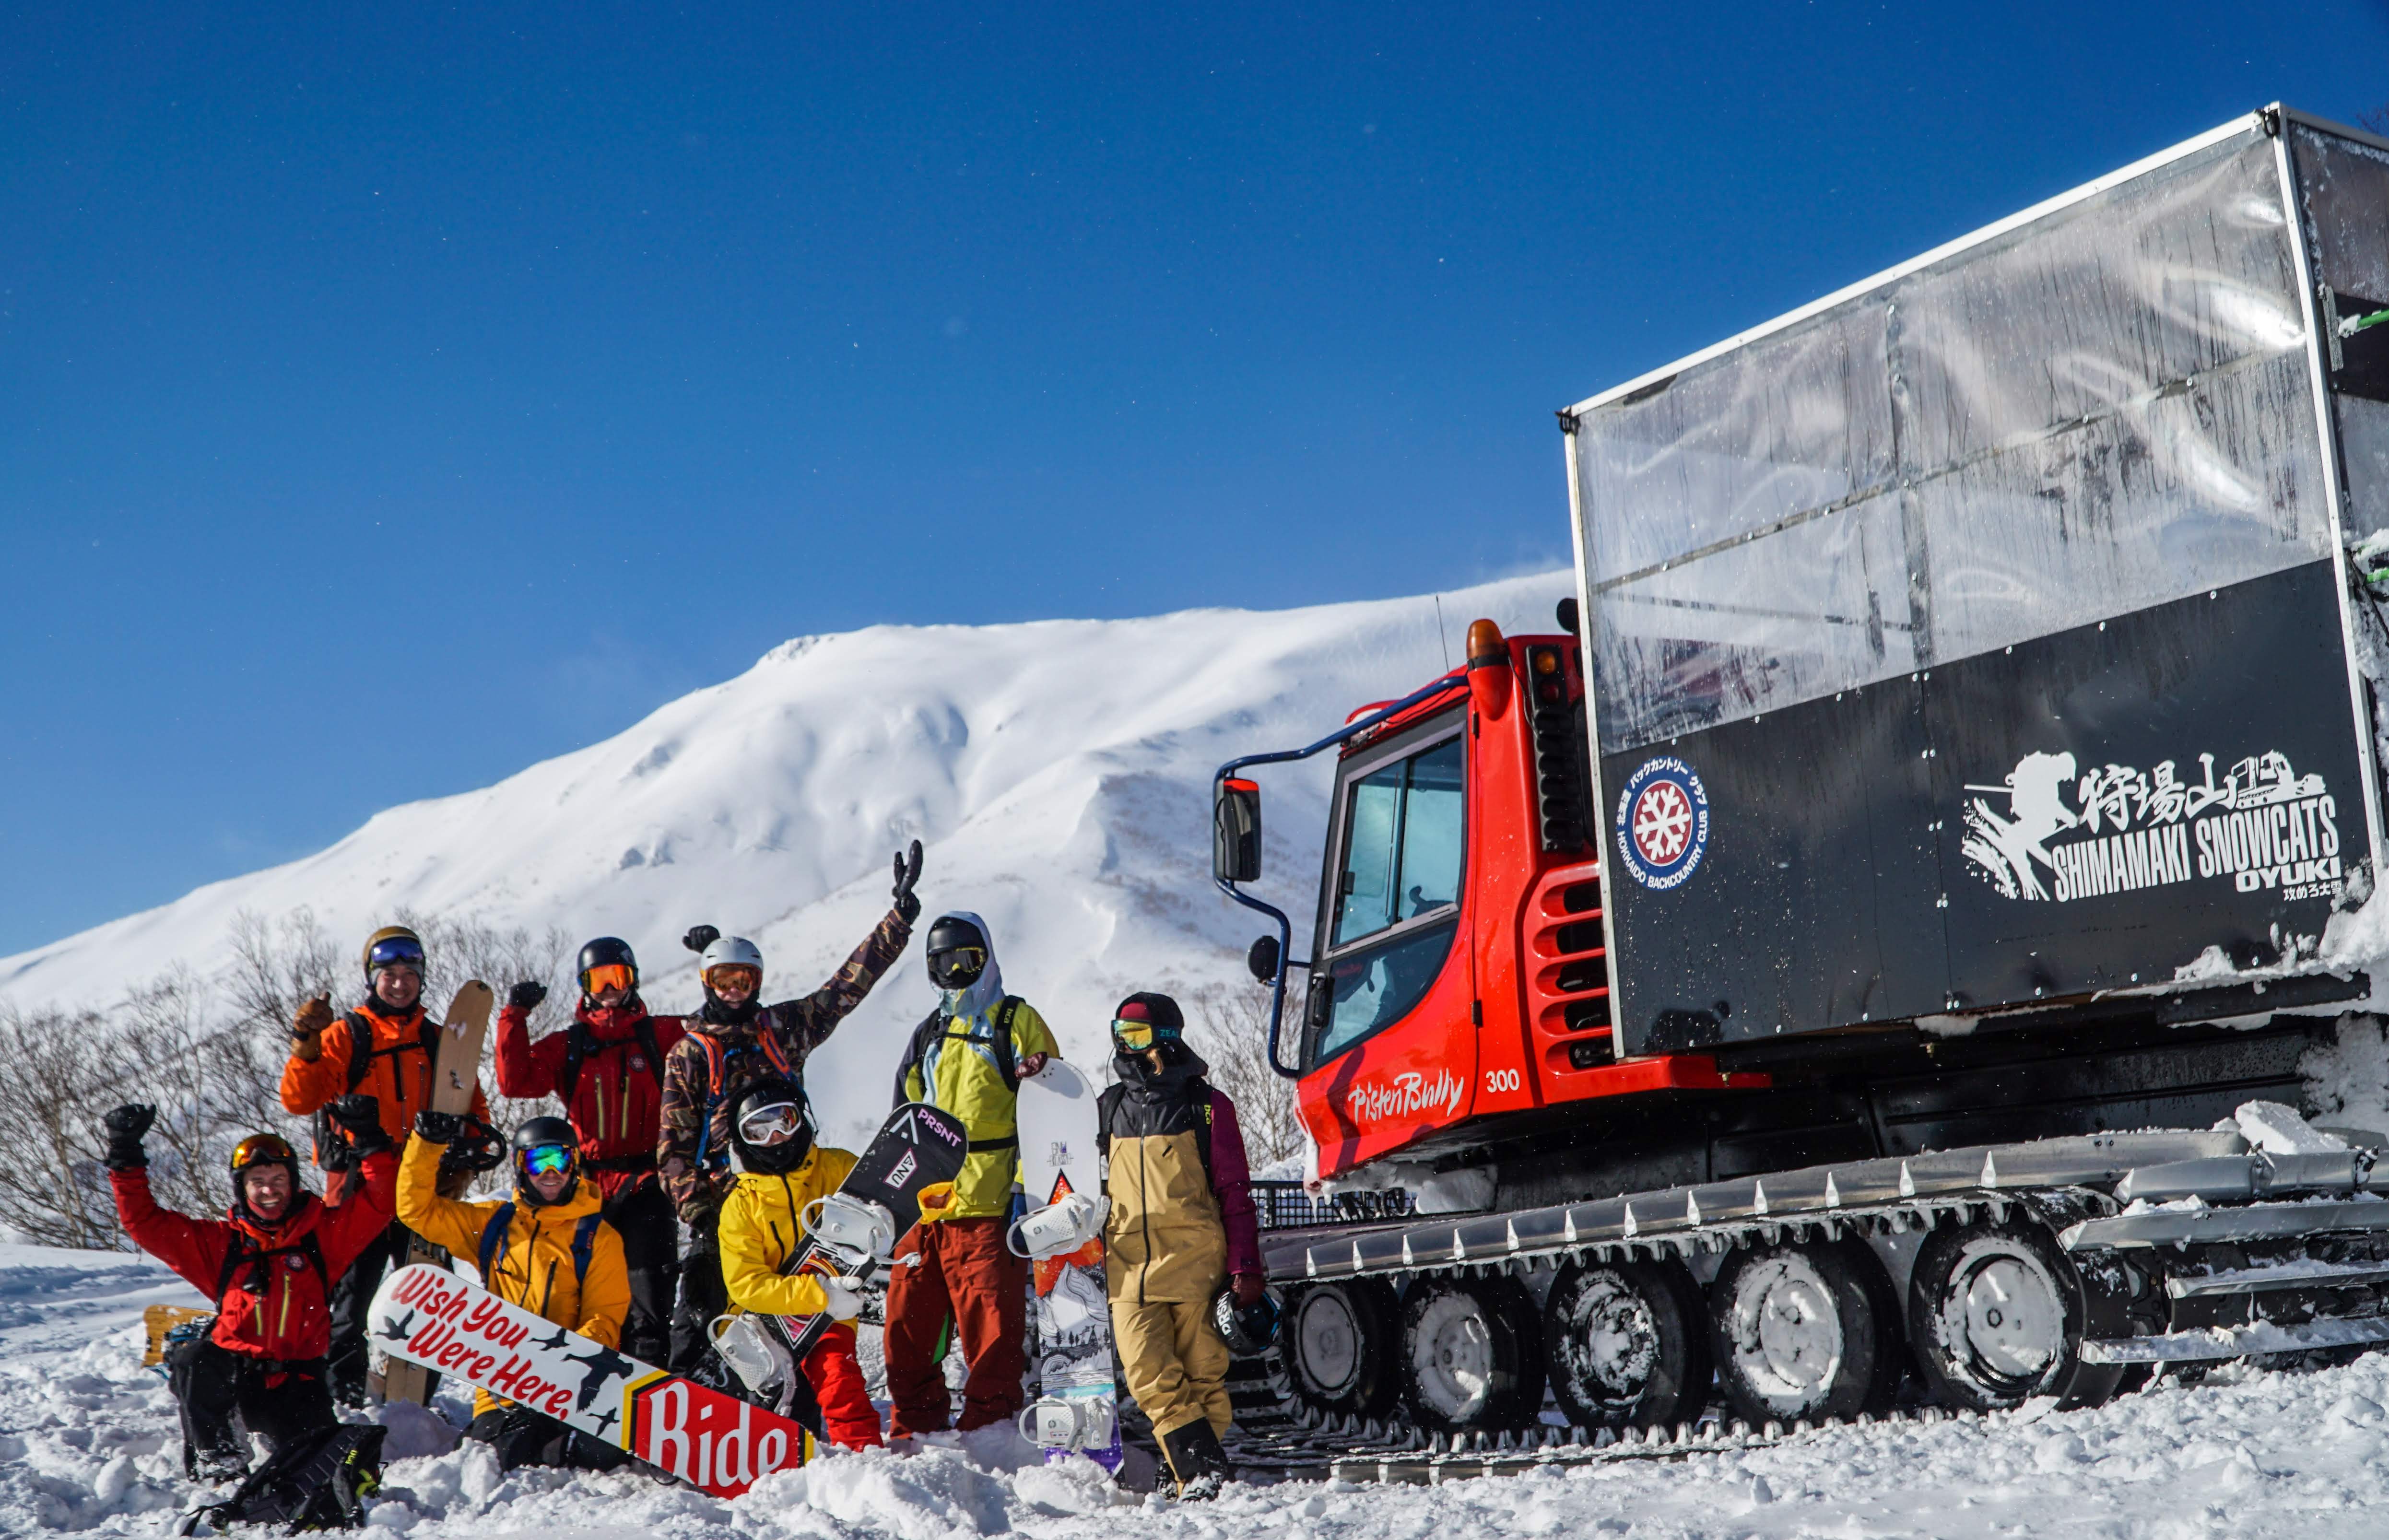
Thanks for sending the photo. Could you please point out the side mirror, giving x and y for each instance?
(1237, 831)
(1263, 959)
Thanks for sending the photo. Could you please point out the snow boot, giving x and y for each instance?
(1196, 1459)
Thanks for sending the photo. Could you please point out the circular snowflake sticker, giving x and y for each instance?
(1663, 822)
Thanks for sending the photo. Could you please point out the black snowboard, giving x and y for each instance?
(918, 1148)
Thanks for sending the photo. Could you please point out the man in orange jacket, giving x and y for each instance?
(268, 1267)
(386, 1049)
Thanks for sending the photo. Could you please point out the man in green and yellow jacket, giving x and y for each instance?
(966, 1058)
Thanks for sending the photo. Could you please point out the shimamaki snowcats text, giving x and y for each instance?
(1819, 983)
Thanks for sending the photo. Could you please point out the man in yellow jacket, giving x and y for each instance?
(547, 1250)
(967, 1058)
(781, 1171)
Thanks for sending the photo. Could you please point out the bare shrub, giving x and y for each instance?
(1229, 1025)
(208, 1054)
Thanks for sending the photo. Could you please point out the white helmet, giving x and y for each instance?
(731, 951)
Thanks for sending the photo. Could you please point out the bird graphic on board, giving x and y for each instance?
(608, 1420)
(399, 1330)
(552, 1344)
(604, 1367)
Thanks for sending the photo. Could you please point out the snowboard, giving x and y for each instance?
(431, 1318)
(919, 1148)
(454, 1073)
(1077, 1408)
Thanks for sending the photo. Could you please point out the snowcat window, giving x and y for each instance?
(1377, 986)
(1402, 828)
(2094, 412)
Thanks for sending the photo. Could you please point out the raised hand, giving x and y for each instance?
(438, 1128)
(307, 1030)
(526, 995)
(125, 1126)
(908, 873)
(700, 937)
(359, 1116)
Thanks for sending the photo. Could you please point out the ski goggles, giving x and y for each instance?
(1137, 1036)
(958, 961)
(262, 1146)
(547, 1160)
(608, 976)
(735, 976)
(774, 1125)
(398, 951)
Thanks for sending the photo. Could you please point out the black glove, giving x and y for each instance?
(699, 937)
(526, 995)
(438, 1128)
(125, 1126)
(359, 1116)
(908, 871)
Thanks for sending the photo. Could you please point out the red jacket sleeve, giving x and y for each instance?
(527, 1069)
(347, 1230)
(194, 1248)
(1231, 1183)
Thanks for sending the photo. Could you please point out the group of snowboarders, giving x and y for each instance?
(700, 1125)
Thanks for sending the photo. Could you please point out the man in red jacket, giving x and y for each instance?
(608, 1069)
(269, 1265)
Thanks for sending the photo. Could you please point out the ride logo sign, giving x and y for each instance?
(2066, 831)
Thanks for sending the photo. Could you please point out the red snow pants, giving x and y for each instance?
(848, 1416)
(966, 1270)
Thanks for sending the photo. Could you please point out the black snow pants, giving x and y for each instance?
(642, 1216)
(224, 1396)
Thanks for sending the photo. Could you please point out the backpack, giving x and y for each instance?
(718, 1056)
(494, 1235)
(317, 1481)
(1006, 1060)
(580, 1043)
(244, 1252)
(332, 1151)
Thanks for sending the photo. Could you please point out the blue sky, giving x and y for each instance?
(390, 398)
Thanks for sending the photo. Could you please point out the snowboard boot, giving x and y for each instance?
(1198, 1461)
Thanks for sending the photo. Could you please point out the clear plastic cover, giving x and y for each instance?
(2104, 410)
(2343, 197)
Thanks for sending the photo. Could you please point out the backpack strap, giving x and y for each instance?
(494, 1235)
(1108, 1108)
(584, 1243)
(244, 1252)
(645, 1028)
(1203, 1144)
(913, 1052)
(577, 1041)
(1006, 1058)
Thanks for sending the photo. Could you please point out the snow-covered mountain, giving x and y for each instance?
(1057, 771)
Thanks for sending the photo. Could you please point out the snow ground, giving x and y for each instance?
(87, 1444)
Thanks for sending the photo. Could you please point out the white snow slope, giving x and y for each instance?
(1058, 773)
(87, 1444)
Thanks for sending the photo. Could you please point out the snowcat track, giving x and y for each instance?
(2071, 1185)
(1397, 1456)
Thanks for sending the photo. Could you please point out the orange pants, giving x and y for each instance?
(965, 1272)
(848, 1417)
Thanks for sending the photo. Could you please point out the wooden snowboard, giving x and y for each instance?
(453, 1076)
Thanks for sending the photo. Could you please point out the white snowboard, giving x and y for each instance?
(1077, 1411)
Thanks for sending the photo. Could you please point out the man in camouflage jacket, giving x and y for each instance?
(732, 1043)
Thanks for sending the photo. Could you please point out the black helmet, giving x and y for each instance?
(958, 952)
(531, 1143)
(782, 1155)
(606, 950)
(1246, 1329)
